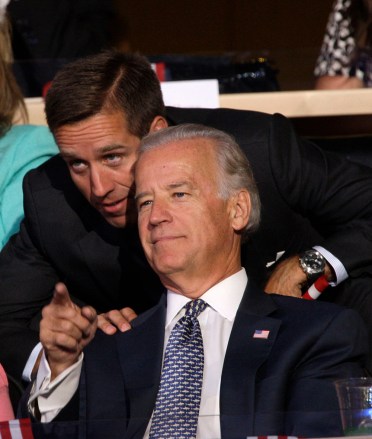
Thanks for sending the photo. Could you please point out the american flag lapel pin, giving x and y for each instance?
(261, 333)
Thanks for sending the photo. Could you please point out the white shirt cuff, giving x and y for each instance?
(53, 396)
(27, 371)
(336, 264)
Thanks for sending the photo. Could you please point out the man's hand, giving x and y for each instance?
(288, 278)
(111, 321)
(65, 330)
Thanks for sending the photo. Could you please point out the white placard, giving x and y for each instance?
(200, 93)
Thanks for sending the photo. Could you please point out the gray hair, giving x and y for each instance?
(234, 168)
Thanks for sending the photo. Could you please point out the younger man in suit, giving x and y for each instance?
(78, 206)
(267, 362)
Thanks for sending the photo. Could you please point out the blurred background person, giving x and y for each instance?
(22, 146)
(345, 59)
(6, 409)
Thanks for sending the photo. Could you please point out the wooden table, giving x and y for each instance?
(313, 112)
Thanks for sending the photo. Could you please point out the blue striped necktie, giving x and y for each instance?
(178, 402)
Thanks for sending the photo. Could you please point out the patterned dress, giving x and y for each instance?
(339, 54)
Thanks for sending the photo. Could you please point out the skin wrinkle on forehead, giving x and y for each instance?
(104, 150)
(99, 126)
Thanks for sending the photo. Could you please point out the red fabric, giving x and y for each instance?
(16, 428)
(6, 410)
(316, 289)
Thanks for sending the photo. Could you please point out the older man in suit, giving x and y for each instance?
(237, 362)
(78, 205)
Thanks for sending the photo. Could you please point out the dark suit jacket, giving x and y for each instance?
(308, 197)
(280, 385)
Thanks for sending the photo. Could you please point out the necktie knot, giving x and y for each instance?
(195, 307)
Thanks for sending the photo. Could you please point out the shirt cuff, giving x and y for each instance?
(27, 371)
(336, 264)
(53, 396)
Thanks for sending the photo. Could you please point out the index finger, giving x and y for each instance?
(61, 296)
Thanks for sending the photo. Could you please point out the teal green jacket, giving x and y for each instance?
(22, 148)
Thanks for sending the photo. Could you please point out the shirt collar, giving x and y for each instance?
(223, 297)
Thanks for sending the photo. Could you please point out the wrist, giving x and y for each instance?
(329, 273)
(58, 367)
(313, 265)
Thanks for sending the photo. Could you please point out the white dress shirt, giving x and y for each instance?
(336, 264)
(216, 322)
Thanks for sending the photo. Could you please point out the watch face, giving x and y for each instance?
(315, 263)
(312, 262)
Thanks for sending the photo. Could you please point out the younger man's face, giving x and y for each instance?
(100, 153)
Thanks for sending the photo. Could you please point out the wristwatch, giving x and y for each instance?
(313, 265)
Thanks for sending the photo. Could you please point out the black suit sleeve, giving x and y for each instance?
(333, 193)
(27, 281)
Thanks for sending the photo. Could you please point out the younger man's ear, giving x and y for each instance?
(158, 123)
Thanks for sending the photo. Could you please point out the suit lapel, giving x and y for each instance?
(247, 350)
(140, 353)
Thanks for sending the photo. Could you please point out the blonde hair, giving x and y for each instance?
(11, 99)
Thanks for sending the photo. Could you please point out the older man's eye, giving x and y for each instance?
(144, 204)
(180, 194)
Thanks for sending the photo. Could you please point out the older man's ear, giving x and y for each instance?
(158, 123)
(240, 210)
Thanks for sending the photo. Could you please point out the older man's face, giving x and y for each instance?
(186, 229)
